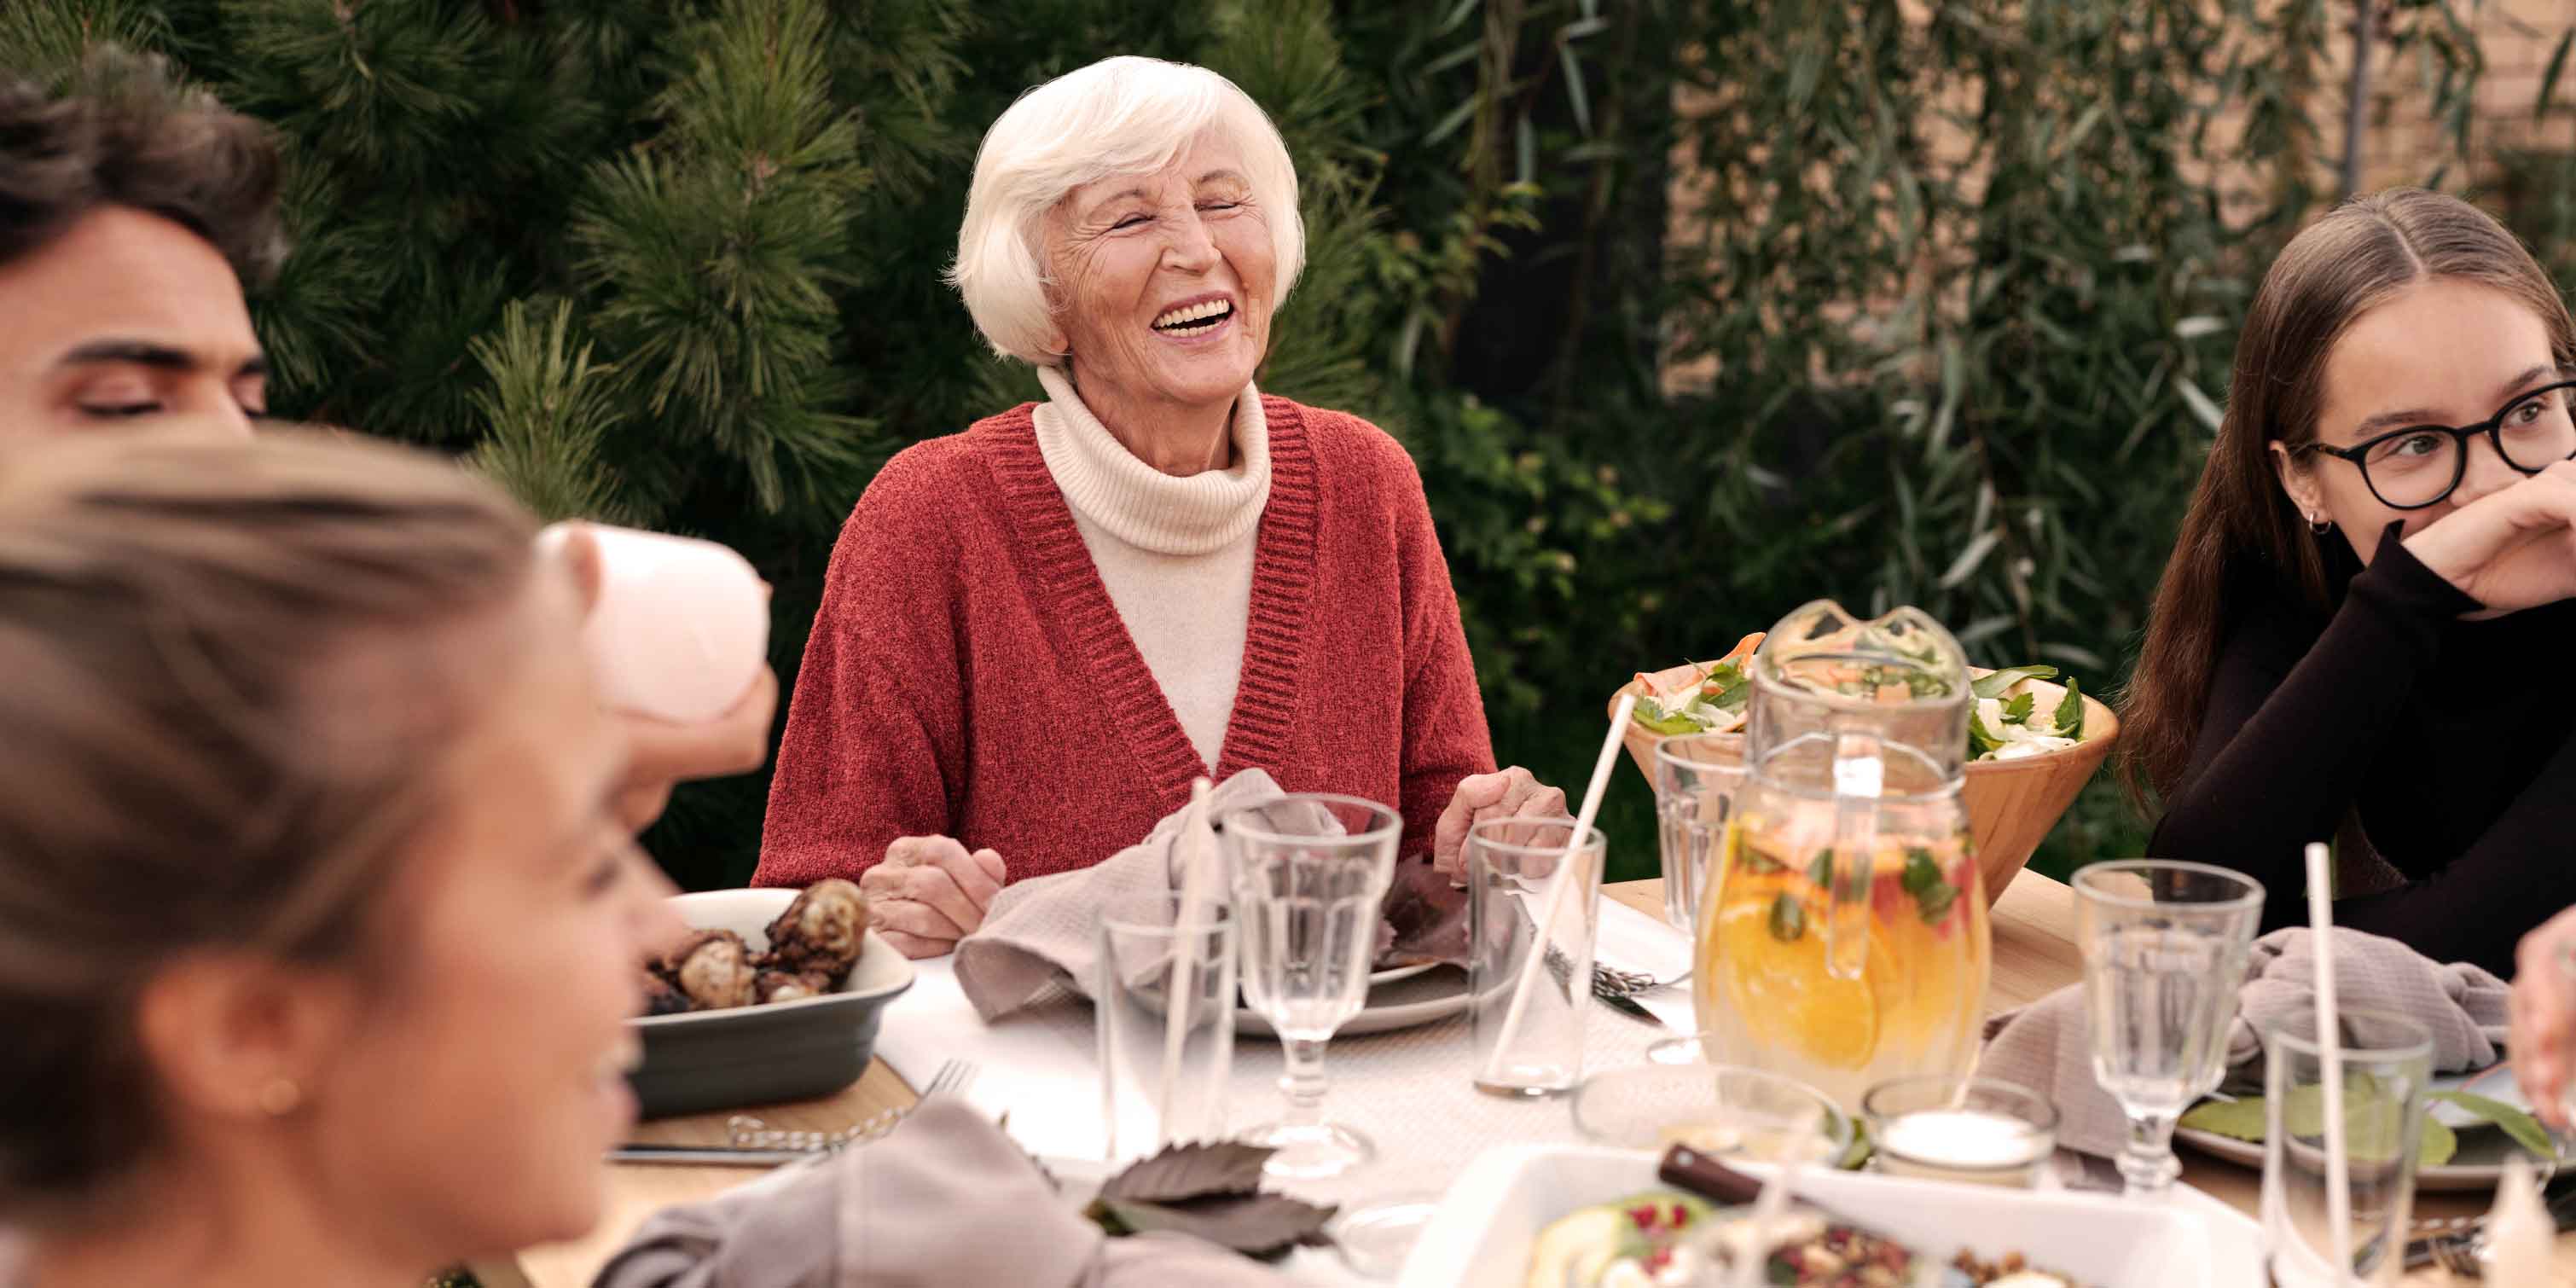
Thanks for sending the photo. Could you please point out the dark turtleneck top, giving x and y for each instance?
(2449, 741)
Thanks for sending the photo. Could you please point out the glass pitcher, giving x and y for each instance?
(1844, 940)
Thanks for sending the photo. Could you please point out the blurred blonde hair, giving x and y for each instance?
(188, 760)
(1119, 116)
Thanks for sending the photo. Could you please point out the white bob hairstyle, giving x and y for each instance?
(1119, 116)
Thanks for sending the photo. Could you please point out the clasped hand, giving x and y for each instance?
(2512, 549)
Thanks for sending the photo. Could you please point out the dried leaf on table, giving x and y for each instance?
(1190, 1171)
(1267, 1226)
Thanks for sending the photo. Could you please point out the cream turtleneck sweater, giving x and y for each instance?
(1174, 553)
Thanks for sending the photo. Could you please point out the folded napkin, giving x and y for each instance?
(947, 1199)
(2046, 1046)
(1041, 936)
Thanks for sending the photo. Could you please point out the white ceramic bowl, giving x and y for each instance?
(1483, 1230)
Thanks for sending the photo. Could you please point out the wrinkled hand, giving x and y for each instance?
(1509, 793)
(2543, 1035)
(2511, 549)
(665, 754)
(929, 893)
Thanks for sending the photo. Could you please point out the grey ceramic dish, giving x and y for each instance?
(754, 1055)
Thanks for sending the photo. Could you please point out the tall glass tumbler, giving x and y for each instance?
(2387, 1061)
(2164, 956)
(1696, 775)
(1529, 1036)
(1309, 872)
(1163, 1000)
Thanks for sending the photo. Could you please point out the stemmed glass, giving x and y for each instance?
(2164, 956)
(1309, 874)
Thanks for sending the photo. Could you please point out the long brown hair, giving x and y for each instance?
(2243, 536)
(188, 760)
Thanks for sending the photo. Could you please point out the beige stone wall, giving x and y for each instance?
(2402, 144)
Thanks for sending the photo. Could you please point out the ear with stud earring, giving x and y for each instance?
(280, 1097)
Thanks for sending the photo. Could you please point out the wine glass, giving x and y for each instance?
(2164, 955)
(1309, 873)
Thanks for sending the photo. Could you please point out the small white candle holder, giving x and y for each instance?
(1970, 1131)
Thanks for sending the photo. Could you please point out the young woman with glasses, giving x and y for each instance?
(2360, 635)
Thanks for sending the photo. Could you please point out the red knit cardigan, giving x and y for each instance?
(968, 675)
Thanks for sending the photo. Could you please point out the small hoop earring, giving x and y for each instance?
(2319, 526)
(280, 1097)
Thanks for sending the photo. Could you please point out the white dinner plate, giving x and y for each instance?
(1416, 995)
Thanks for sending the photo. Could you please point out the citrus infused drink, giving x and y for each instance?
(1842, 994)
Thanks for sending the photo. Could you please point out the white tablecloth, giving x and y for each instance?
(1408, 1091)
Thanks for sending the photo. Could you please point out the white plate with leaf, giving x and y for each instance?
(2475, 1121)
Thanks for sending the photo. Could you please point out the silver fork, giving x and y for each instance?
(2459, 1253)
(751, 1143)
(745, 1132)
(1610, 981)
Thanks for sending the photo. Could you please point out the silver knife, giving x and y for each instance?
(1627, 1006)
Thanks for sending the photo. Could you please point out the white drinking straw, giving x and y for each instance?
(1564, 881)
(1195, 876)
(2330, 1056)
(1768, 1207)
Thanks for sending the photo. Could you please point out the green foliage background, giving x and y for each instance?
(1940, 313)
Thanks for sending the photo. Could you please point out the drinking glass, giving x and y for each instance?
(1969, 1131)
(1677, 1097)
(1696, 775)
(2164, 955)
(1528, 1034)
(2387, 1060)
(1309, 872)
(1164, 1000)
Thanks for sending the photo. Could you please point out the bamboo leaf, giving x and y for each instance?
(2199, 402)
(1576, 96)
(2549, 77)
(1456, 119)
(1966, 564)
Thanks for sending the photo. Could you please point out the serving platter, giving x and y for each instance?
(1483, 1230)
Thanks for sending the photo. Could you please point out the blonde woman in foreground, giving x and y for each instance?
(318, 926)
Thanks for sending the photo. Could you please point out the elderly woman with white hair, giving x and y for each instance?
(1035, 634)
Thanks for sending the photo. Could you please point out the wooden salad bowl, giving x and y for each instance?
(2012, 804)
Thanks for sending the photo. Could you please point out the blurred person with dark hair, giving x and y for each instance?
(134, 212)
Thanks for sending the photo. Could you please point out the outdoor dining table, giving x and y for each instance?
(2034, 955)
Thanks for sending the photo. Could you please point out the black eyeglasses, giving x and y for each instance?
(2420, 466)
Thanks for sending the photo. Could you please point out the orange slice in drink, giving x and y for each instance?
(1785, 995)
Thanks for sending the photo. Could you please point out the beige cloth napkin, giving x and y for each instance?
(1040, 937)
(947, 1199)
(2046, 1046)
